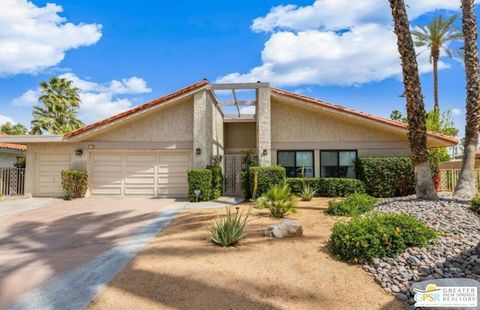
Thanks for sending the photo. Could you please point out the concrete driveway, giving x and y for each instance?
(57, 254)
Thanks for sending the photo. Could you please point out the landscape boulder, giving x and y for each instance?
(286, 229)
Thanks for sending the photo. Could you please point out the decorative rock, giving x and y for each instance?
(286, 229)
(402, 297)
(395, 289)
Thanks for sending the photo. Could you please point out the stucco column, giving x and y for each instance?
(201, 131)
(264, 135)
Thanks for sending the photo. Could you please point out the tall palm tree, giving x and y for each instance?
(417, 132)
(59, 113)
(436, 37)
(467, 180)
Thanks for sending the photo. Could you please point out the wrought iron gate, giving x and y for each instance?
(12, 181)
(233, 167)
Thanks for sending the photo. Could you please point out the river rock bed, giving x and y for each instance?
(455, 255)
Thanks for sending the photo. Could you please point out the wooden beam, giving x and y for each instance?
(236, 101)
(226, 86)
(239, 102)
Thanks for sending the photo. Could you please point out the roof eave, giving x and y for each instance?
(27, 139)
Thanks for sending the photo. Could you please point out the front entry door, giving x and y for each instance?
(233, 167)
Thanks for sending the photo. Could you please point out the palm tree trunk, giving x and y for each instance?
(417, 131)
(436, 106)
(466, 183)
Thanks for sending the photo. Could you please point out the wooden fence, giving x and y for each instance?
(12, 182)
(449, 179)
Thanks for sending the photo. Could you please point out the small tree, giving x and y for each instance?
(10, 129)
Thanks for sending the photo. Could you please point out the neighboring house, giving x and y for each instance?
(456, 163)
(10, 153)
(147, 150)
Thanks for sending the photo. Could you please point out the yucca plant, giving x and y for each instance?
(279, 200)
(307, 193)
(229, 231)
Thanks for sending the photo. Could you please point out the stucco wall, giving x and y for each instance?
(296, 126)
(218, 143)
(240, 137)
(173, 123)
(8, 159)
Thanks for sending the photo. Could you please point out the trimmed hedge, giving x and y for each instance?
(267, 176)
(364, 238)
(352, 205)
(327, 187)
(200, 179)
(217, 181)
(74, 183)
(386, 176)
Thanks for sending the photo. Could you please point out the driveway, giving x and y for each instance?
(57, 254)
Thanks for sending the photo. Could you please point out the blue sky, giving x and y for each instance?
(123, 53)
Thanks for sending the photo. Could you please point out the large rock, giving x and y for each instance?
(286, 229)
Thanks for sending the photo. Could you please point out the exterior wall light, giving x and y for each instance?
(91, 146)
(79, 152)
(265, 152)
(198, 151)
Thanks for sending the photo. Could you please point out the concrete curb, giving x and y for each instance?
(76, 288)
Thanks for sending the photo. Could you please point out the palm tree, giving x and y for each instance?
(417, 131)
(467, 180)
(10, 129)
(59, 114)
(436, 37)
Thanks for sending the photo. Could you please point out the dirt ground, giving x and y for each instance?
(181, 269)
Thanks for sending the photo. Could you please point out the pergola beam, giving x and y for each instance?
(239, 102)
(227, 86)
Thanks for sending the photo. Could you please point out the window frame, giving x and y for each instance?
(296, 167)
(338, 160)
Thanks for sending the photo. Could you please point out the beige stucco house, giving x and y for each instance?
(148, 150)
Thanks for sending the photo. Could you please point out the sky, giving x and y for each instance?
(124, 53)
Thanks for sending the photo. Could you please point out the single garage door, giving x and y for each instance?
(145, 174)
(48, 179)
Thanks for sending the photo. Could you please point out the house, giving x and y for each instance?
(147, 150)
(11, 154)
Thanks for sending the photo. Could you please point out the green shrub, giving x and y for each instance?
(386, 176)
(248, 161)
(200, 179)
(327, 187)
(74, 183)
(307, 193)
(267, 176)
(229, 230)
(364, 238)
(279, 200)
(354, 204)
(475, 204)
(217, 181)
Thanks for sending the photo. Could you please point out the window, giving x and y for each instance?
(338, 164)
(297, 163)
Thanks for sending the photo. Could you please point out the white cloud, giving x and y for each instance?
(456, 111)
(340, 14)
(34, 38)
(98, 100)
(27, 99)
(328, 58)
(6, 119)
(332, 42)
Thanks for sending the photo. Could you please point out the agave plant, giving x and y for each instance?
(229, 231)
(307, 193)
(279, 200)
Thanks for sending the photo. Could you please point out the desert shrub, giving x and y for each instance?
(386, 176)
(247, 162)
(266, 177)
(200, 179)
(279, 200)
(327, 187)
(74, 183)
(229, 231)
(217, 181)
(307, 193)
(366, 237)
(475, 204)
(354, 204)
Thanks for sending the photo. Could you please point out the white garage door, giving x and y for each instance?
(145, 174)
(49, 168)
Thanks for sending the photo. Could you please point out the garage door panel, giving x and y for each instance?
(146, 174)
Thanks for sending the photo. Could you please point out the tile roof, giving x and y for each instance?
(142, 107)
(11, 146)
(359, 113)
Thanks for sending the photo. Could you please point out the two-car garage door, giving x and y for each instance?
(146, 173)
